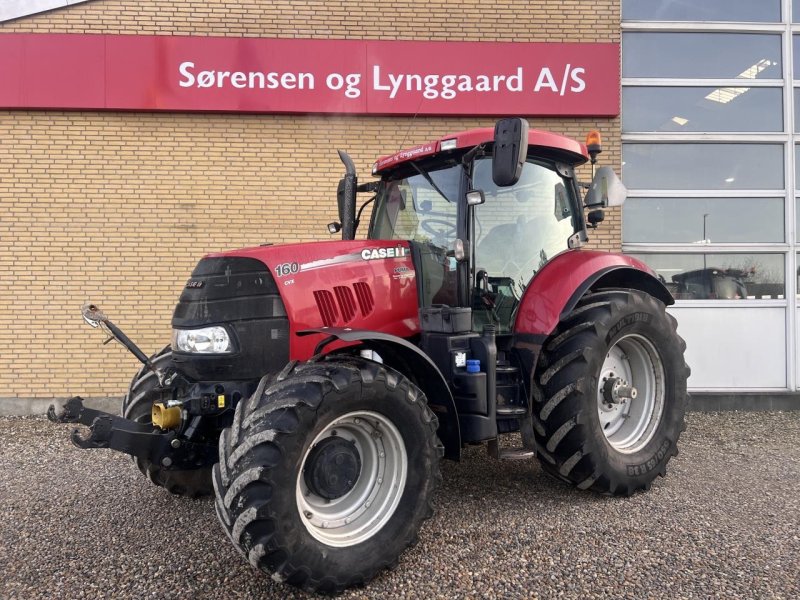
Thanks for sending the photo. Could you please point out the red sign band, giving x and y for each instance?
(126, 72)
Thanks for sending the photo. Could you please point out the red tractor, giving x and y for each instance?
(313, 388)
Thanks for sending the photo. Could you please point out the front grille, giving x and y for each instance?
(240, 294)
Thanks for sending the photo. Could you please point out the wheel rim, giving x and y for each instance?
(630, 394)
(367, 506)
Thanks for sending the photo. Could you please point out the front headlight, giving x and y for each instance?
(208, 340)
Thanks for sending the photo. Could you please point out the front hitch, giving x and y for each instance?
(164, 448)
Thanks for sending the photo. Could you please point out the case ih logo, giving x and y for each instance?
(127, 72)
(376, 253)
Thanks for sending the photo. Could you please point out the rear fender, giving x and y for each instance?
(556, 289)
(403, 356)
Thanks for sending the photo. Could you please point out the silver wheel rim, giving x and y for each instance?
(365, 509)
(629, 420)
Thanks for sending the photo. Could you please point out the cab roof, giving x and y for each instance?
(540, 143)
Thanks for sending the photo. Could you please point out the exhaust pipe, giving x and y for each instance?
(346, 197)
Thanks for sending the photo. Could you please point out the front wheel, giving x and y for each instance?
(612, 383)
(328, 472)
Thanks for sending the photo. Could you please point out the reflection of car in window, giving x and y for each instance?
(711, 284)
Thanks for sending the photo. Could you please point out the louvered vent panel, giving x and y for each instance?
(347, 304)
(364, 295)
(327, 307)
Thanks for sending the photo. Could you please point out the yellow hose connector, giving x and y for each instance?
(164, 417)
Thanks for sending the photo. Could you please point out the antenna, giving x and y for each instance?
(410, 125)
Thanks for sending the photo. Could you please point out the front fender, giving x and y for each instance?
(559, 285)
(408, 359)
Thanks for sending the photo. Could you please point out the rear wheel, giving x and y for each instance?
(328, 473)
(612, 381)
(137, 406)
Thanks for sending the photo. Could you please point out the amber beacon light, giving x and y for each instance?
(594, 144)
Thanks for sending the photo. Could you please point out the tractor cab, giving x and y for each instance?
(478, 240)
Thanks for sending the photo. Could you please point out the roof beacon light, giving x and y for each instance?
(594, 145)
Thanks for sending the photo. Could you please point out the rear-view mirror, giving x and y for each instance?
(510, 150)
(606, 189)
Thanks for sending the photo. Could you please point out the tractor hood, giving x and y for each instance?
(362, 284)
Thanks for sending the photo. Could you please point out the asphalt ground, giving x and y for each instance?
(724, 523)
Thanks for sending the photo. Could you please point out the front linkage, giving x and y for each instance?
(140, 440)
(168, 445)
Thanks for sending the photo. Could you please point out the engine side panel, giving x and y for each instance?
(360, 284)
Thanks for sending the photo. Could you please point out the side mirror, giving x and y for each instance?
(510, 150)
(606, 189)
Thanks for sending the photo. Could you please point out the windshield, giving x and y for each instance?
(410, 208)
(521, 227)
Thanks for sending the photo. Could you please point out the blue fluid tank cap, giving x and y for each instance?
(473, 366)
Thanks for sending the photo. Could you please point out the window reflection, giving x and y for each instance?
(720, 276)
(757, 11)
(702, 55)
(690, 109)
(703, 220)
(713, 166)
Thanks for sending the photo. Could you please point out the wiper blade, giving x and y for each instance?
(428, 178)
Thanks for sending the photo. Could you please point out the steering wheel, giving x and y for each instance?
(439, 228)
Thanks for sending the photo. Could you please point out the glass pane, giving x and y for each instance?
(702, 109)
(796, 54)
(760, 11)
(719, 276)
(796, 110)
(702, 166)
(797, 167)
(692, 220)
(795, 11)
(701, 55)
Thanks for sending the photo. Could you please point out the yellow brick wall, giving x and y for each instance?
(118, 207)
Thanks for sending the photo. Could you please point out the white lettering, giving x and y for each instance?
(205, 79)
(514, 82)
(253, 79)
(376, 80)
(288, 81)
(251, 82)
(353, 81)
(184, 69)
(580, 83)
(545, 80)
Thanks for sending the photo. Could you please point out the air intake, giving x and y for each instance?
(347, 304)
(327, 307)
(364, 296)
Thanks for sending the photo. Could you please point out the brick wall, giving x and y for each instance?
(118, 207)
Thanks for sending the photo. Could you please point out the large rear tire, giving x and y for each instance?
(612, 393)
(137, 406)
(328, 472)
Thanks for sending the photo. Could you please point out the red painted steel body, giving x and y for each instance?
(552, 287)
(484, 135)
(323, 266)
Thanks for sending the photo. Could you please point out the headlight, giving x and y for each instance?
(208, 340)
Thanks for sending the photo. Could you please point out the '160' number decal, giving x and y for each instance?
(287, 269)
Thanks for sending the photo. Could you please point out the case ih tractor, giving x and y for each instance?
(313, 388)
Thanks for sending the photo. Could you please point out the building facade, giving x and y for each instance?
(709, 122)
(117, 206)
